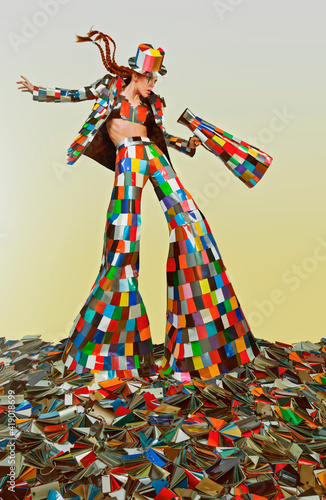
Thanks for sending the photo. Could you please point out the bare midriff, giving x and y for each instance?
(119, 129)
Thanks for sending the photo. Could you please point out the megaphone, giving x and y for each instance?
(247, 162)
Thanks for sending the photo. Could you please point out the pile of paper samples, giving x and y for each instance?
(256, 433)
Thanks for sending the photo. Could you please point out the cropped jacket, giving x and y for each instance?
(93, 139)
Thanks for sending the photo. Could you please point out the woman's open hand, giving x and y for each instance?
(194, 142)
(27, 86)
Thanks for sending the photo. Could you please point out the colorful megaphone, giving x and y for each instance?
(246, 162)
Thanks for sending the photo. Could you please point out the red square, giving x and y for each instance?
(125, 109)
(225, 278)
(171, 266)
(202, 333)
(73, 365)
(215, 357)
(181, 354)
(115, 301)
(214, 312)
(207, 299)
(244, 357)
(142, 322)
(189, 275)
(80, 324)
(141, 114)
(232, 318)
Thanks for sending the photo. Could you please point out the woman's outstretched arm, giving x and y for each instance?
(46, 94)
(182, 145)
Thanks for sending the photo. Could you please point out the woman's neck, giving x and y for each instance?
(131, 92)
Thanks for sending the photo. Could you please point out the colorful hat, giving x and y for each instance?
(148, 60)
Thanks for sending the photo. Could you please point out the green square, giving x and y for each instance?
(89, 348)
(153, 150)
(142, 308)
(234, 161)
(228, 306)
(112, 271)
(117, 206)
(164, 162)
(117, 313)
(217, 267)
(214, 299)
(166, 188)
(133, 246)
(175, 278)
(167, 371)
(196, 348)
(132, 283)
(227, 335)
(99, 293)
(83, 359)
(137, 364)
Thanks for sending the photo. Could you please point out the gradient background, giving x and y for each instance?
(240, 65)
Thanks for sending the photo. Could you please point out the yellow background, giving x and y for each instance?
(254, 68)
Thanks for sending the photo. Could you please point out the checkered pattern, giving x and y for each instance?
(248, 163)
(207, 333)
(112, 333)
(181, 145)
(46, 94)
(108, 90)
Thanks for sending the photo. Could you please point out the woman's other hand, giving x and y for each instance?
(27, 86)
(194, 142)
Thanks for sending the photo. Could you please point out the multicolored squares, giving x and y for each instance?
(206, 331)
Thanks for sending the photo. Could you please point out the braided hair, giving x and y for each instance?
(107, 59)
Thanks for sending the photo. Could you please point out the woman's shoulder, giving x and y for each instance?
(156, 99)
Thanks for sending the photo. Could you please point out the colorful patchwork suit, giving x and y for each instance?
(206, 331)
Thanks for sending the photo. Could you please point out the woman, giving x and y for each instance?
(206, 332)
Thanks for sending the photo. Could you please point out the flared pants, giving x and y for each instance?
(206, 331)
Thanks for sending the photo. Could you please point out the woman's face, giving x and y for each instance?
(145, 84)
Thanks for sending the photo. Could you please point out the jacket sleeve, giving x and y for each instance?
(45, 94)
(178, 143)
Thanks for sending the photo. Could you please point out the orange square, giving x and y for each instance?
(100, 306)
(191, 306)
(125, 109)
(182, 321)
(141, 114)
(139, 154)
(182, 261)
(181, 294)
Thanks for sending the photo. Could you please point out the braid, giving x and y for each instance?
(107, 59)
